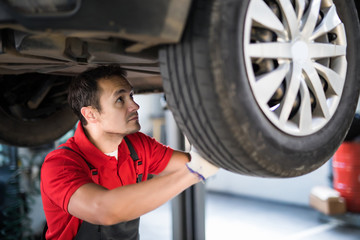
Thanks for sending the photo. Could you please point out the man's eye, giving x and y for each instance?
(120, 99)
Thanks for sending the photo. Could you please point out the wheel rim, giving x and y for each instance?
(295, 56)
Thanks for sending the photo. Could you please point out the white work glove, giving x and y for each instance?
(200, 166)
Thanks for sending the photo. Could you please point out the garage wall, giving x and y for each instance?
(292, 190)
(149, 108)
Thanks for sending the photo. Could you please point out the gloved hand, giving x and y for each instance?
(200, 166)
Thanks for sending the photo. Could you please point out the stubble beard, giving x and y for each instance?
(136, 128)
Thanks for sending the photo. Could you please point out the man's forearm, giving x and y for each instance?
(95, 204)
(129, 202)
(149, 195)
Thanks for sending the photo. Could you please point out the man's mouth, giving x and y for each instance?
(134, 117)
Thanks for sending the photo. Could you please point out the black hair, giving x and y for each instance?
(84, 90)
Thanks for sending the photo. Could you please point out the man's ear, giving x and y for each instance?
(89, 114)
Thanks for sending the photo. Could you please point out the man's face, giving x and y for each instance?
(118, 113)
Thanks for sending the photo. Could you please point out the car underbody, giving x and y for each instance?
(280, 107)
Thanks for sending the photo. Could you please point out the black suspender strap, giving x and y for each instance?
(133, 154)
(135, 158)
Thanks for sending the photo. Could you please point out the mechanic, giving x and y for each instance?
(95, 185)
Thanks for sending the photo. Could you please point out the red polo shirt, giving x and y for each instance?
(64, 171)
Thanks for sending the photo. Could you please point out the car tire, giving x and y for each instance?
(31, 134)
(24, 126)
(209, 83)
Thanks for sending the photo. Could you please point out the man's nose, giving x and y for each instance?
(133, 106)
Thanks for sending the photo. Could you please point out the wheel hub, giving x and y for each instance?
(300, 52)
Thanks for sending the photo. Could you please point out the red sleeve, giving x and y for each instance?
(161, 158)
(61, 176)
(157, 155)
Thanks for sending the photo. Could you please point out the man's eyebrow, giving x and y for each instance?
(122, 90)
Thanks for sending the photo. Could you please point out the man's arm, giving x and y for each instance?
(178, 160)
(97, 205)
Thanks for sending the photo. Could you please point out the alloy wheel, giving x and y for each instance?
(295, 54)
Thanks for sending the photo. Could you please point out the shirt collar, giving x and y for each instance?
(91, 153)
(113, 154)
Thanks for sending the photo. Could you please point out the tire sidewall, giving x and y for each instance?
(269, 146)
(24, 133)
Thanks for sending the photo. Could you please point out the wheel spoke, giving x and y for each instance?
(335, 81)
(330, 21)
(316, 86)
(291, 93)
(267, 84)
(322, 50)
(300, 7)
(270, 50)
(312, 18)
(290, 15)
(305, 122)
(262, 14)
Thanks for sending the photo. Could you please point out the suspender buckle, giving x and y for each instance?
(138, 178)
(94, 175)
(139, 168)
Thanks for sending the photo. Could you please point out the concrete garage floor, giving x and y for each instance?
(243, 218)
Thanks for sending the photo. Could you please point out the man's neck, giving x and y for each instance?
(105, 142)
